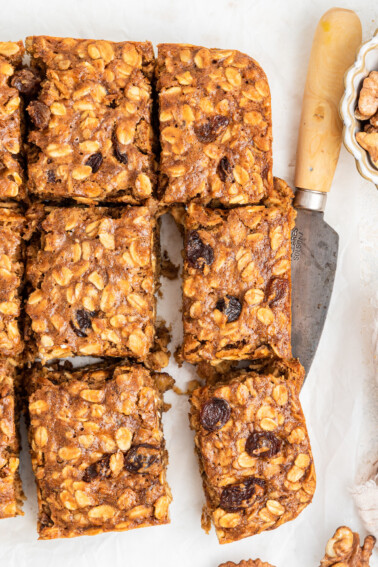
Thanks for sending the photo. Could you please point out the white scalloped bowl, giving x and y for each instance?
(366, 61)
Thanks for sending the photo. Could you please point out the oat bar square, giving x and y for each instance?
(237, 283)
(12, 224)
(12, 184)
(92, 275)
(215, 126)
(97, 448)
(92, 139)
(253, 449)
(11, 495)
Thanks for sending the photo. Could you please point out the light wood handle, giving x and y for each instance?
(336, 40)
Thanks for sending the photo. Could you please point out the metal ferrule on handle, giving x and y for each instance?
(310, 200)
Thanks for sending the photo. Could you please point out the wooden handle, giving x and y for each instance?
(336, 40)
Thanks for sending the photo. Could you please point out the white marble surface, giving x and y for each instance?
(339, 398)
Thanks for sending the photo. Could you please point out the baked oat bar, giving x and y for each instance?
(11, 495)
(248, 563)
(343, 549)
(92, 272)
(92, 138)
(253, 449)
(11, 276)
(237, 283)
(97, 448)
(215, 126)
(12, 184)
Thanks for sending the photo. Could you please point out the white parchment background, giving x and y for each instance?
(339, 397)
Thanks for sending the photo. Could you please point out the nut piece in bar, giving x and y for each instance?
(343, 549)
(91, 137)
(237, 283)
(253, 449)
(215, 126)
(367, 111)
(11, 175)
(248, 563)
(97, 448)
(92, 273)
(11, 495)
(11, 276)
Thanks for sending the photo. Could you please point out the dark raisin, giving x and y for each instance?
(84, 321)
(263, 444)
(224, 169)
(209, 130)
(215, 414)
(238, 496)
(196, 250)
(140, 457)
(39, 114)
(99, 469)
(277, 290)
(231, 307)
(26, 82)
(94, 161)
(51, 176)
(121, 157)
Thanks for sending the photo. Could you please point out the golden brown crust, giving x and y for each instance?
(12, 183)
(215, 126)
(92, 138)
(97, 449)
(237, 283)
(11, 495)
(254, 451)
(248, 563)
(343, 549)
(93, 281)
(12, 224)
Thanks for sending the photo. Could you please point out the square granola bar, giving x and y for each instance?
(237, 283)
(215, 126)
(92, 138)
(92, 272)
(11, 495)
(12, 184)
(97, 448)
(11, 276)
(254, 451)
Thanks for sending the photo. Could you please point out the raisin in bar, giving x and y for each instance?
(343, 549)
(11, 275)
(11, 495)
(253, 449)
(237, 283)
(97, 449)
(12, 184)
(92, 138)
(215, 126)
(92, 272)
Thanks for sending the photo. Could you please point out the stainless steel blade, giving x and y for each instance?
(314, 258)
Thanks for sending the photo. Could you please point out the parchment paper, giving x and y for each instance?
(338, 397)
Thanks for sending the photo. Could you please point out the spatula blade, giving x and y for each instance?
(314, 259)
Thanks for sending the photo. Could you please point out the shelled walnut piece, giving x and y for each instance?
(11, 495)
(367, 110)
(248, 563)
(12, 183)
(12, 224)
(92, 278)
(343, 549)
(253, 449)
(97, 447)
(215, 126)
(91, 137)
(237, 282)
